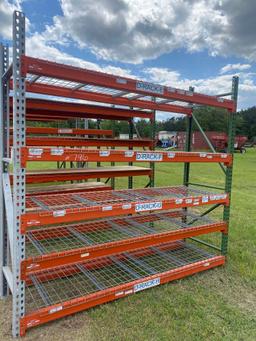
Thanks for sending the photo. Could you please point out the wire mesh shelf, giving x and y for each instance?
(62, 238)
(78, 280)
(90, 199)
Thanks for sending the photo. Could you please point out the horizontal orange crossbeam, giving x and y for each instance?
(86, 142)
(66, 131)
(40, 106)
(83, 155)
(56, 311)
(104, 98)
(80, 213)
(74, 74)
(69, 174)
(53, 260)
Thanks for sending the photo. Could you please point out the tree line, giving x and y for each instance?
(211, 119)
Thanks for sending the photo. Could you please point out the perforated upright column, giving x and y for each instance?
(18, 172)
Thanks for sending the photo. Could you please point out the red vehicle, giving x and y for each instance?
(218, 139)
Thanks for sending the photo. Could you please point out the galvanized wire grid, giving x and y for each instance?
(74, 236)
(74, 281)
(97, 89)
(89, 199)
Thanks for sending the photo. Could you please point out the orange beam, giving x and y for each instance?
(67, 131)
(83, 155)
(43, 141)
(80, 213)
(35, 105)
(53, 260)
(66, 72)
(56, 311)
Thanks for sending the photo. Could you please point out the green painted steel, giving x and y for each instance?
(207, 186)
(188, 149)
(205, 243)
(229, 172)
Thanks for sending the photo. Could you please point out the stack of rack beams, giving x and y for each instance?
(75, 249)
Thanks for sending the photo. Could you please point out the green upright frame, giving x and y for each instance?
(228, 171)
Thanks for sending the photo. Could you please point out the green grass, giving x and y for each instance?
(216, 305)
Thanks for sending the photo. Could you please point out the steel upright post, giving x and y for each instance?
(153, 137)
(189, 123)
(19, 175)
(130, 178)
(229, 171)
(4, 150)
(98, 163)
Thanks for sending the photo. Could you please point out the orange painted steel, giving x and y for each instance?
(80, 213)
(83, 155)
(104, 98)
(69, 174)
(53, 260)
(34, 105)
(67, 131)
(74, 74)
(69, 188)
(56, 311)
(43, 141)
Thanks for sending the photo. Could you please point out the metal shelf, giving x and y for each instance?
(54, 209)
(117, 263)
(56, 293)
(69, 78)
(69, 174)
(65, 244)
(85, 155)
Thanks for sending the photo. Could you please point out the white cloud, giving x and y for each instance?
(37, 46)
(6, 11)
(134, 30)
(211, 85)
(234, 67)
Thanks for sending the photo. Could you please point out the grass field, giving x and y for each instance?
(216, 305)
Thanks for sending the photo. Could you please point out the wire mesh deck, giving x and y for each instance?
(90, 199)
(70, 282)
(74, 236)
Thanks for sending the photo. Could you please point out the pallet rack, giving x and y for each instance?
(58, 256)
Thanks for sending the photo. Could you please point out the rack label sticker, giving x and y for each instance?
(205, 198)
(189, 201)
(203, 154)
(121, 81)
(148, 206)
(224, 156)
(55, 310)
(178, 201)
(59, 213)
(171, 155)
(128, 153)
(146, 285)
(149, 156)
(65, 131)
(35, 151)
(150, 87)
(126, 206)
(107, 208)
(104, 153)
(57, 151)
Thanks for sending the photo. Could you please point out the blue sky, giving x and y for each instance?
(179, 43)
